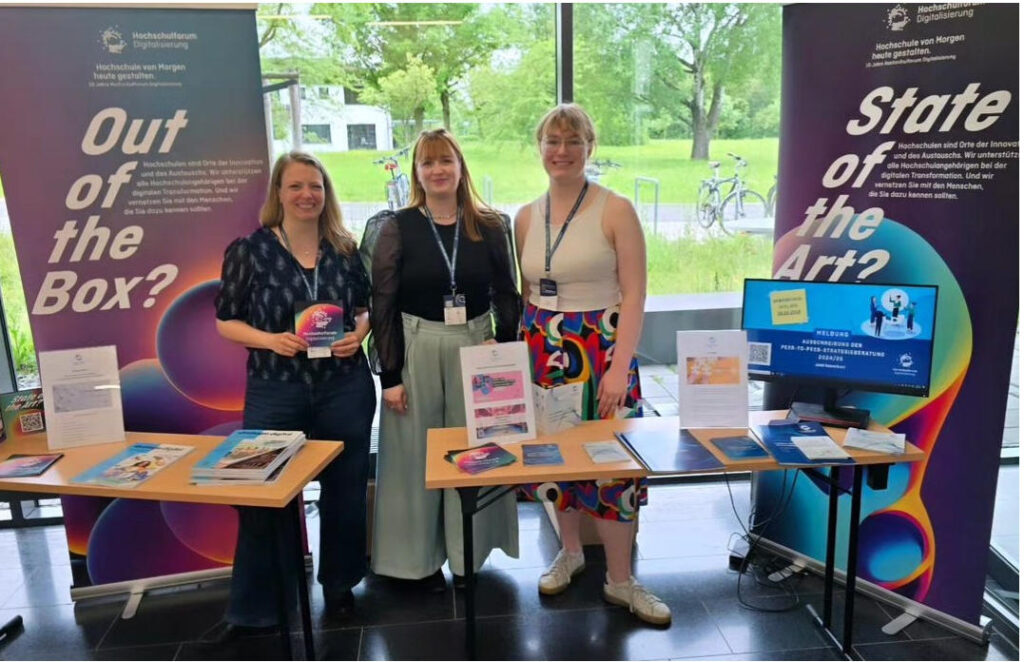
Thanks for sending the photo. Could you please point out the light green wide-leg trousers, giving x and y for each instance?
(415, 529)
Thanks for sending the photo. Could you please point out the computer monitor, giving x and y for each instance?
(861, 336)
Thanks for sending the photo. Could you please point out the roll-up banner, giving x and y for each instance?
(899, 164)
(132, 151)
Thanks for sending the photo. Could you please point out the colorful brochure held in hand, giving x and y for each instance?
(480, 458)
(320, 323)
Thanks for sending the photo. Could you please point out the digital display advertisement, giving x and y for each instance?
(875, 336)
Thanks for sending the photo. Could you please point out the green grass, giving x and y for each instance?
(519, 177)
(22, 347)
(718, 264)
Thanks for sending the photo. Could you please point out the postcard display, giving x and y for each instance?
(155, 117)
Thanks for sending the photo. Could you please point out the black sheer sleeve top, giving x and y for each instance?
(409, 275)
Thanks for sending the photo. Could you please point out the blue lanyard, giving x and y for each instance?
(449, 262)
(311, 291)
(549, 250)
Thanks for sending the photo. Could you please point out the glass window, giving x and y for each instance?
(362, 136)
(673, 88)
(316, 133)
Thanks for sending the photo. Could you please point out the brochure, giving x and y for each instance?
(22, 413)
(81, 396)
(740, 448)
(542, 454)
(249, 454)
(480, 458)
(133, 465)
(320, 323)
(820, 448)
(893, 443)
(496, 387)
(24, 466)
(712, 379)
(669, 451)
(779, 439)
(602, 452)
(232, 480)
(558, 408)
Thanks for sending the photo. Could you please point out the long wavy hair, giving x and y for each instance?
(331, 226)
(475, 212)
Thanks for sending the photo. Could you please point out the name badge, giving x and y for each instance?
(454, 309)
(548, 294)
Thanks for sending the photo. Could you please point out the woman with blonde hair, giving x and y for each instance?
(302, 254)
(582, 319)
(442, 271)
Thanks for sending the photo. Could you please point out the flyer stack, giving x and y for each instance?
(248, 457)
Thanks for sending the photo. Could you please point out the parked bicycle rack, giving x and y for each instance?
(657, 195)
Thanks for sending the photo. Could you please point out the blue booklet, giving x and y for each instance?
(778, 438)
(740, 448)
(542, 454)
(669, 451)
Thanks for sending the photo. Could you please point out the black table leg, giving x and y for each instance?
(281, 559)
(468, 497)
(851, 560)
(830, 545)
(300, 573)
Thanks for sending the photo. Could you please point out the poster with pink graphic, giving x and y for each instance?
(131, 156)
(499, 406)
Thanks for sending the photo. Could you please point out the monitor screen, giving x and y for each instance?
(867, 336)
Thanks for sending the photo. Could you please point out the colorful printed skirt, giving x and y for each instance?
(566, 348)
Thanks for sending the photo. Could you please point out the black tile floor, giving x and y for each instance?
(681, 555)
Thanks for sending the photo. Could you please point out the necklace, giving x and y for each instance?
(442, 217)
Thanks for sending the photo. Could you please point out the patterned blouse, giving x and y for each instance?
(260, 284)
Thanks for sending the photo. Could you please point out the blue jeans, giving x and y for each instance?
(338, 410)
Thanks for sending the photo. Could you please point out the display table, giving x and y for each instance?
(172, 484)
(476, 492)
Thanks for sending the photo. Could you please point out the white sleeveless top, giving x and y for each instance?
(584, 266)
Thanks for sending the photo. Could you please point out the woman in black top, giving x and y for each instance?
(445, 251)
(302, 253)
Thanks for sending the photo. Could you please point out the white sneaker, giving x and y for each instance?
(647, 606)
(561, 571)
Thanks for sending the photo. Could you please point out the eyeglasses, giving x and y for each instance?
(552, 144)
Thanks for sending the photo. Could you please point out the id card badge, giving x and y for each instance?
(454, 309)
(548, 294)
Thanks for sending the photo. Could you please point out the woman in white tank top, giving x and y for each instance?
(584, 271)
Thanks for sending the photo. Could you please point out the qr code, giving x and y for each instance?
(760, 353)
(31, 421)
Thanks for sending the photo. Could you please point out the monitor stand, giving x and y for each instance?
(830, 413)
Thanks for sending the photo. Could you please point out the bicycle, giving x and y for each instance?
(737, 203)
(396, 190)
(594, 170)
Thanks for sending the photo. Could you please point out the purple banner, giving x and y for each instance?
(131, 155)
(899, 164)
